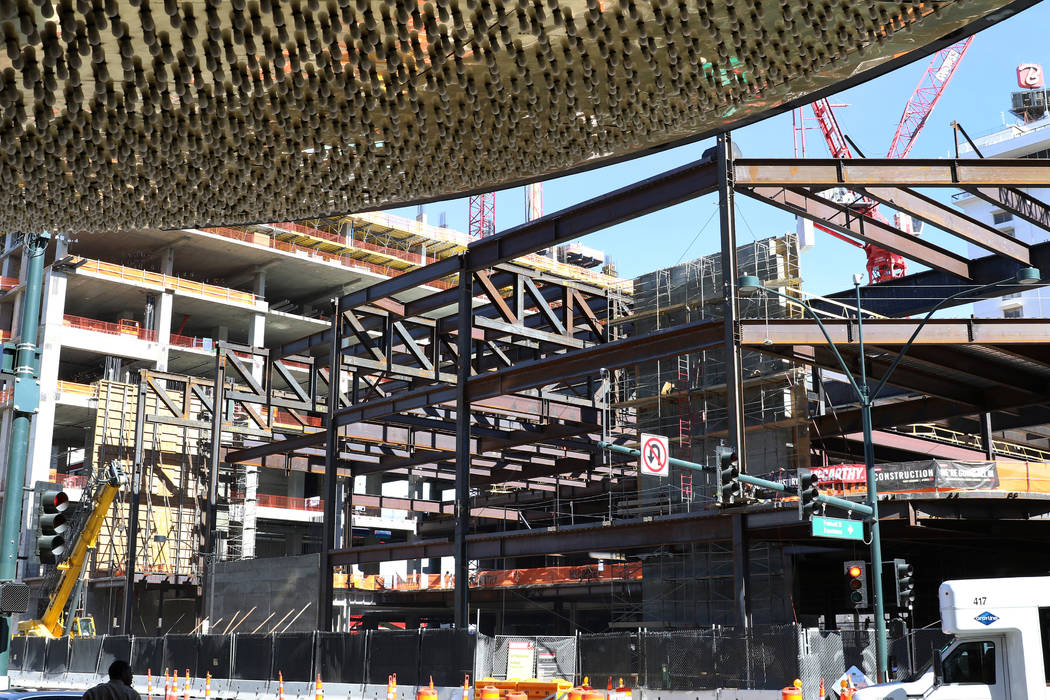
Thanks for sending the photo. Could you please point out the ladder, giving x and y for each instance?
(685, 414)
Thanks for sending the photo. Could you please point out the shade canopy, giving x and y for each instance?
(118, 114)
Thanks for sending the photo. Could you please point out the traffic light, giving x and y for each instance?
(904, 583)
(728, 485)
(857, 583)
(807, 493)
(51, 542)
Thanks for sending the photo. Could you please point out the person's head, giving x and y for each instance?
(120, 670)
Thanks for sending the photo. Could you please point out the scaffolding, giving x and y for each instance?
(684, 397)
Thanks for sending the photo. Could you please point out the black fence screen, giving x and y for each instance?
(293, 656)
(148, 656)
(394, 652)
(342, 656)
(253, 657)
(56, 657)
(762, 657)
(447, 656)
(17, 655)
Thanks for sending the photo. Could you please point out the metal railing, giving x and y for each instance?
(91, 324)
(176, 284)
(344, 260)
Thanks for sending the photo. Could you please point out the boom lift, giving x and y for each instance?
(53, 621)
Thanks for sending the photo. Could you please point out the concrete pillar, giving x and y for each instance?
(221, 333)
(257, 326)
(248, 525)
(162, 324)
(167, 262)
(51, 328)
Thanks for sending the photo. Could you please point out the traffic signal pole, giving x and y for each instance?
(26, 397)
(747, 479)
(881, 645)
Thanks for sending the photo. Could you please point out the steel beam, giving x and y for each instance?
(924, 208)
(570, 366)
(938, 331)
(849, 222)
(919, 292)
(888, 172)
(658, 192)
(674, 529)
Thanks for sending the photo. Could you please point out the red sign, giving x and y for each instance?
(1030, 76)
(841, 474)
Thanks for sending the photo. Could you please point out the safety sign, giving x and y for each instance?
(655, 455)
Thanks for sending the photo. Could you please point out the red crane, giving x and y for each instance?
(882, 264)
(482, 215)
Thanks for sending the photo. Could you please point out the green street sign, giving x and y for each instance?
(838, 528)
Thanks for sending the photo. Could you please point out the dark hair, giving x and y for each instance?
(120, 670)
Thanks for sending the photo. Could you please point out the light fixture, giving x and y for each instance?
(1028, 275)
(749, 284)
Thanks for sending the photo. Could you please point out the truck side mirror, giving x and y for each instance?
(938, 669)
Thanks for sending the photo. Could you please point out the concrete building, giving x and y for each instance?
(160, 301)
(1031, 140)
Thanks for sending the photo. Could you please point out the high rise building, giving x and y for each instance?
(1031, 140)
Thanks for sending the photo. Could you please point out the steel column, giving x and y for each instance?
(331, 475)
(986, 436)
(133, 509)
(463, 345)
(27, 392)
(741, 572)
(218, 408)
(734, 371)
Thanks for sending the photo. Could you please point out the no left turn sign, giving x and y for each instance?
(655, 453)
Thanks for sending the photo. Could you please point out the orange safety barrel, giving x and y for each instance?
(489, 692)
(427, 692)
(593, 694)
(791, 693)
(576, 693)
(516, 695)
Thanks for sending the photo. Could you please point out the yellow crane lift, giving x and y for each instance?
(52, 624)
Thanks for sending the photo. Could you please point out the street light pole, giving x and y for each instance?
(881, 644)
(750, 284)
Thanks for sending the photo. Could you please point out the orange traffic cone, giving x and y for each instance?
(280, 686)
(149, 684)
(318, 689)
(207, 684)
(186, 687)
(820, 691)
(174, 685)
(466, 687)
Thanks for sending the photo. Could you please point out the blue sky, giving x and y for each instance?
(977, 98)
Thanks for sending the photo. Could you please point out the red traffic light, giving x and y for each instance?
(855, 572)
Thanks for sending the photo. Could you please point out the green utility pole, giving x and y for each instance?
(22, 360)
(750, 284)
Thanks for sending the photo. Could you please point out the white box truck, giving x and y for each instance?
(1001, 645)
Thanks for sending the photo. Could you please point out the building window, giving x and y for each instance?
(1015, 312)
(1001, 217)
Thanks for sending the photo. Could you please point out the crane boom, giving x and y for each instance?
(926, 96)
(51, 624)
(882, 264)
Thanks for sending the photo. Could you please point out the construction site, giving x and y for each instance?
(368, 448)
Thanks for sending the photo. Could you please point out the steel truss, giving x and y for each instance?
(497, 380)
